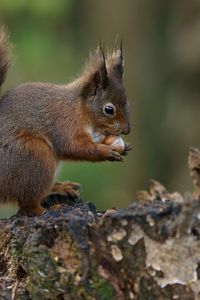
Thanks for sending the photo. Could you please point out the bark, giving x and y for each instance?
(150, 250)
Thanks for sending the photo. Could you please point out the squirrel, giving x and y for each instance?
(44, 123)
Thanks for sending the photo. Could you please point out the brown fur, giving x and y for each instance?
(42, 123)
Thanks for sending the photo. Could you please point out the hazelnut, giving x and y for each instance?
(115, 141)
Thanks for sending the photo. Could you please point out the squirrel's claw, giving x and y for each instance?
(127, 148)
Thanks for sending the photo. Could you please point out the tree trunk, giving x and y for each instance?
(151, 250)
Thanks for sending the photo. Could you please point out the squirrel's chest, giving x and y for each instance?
(95, 136)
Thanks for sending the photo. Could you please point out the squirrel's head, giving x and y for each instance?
(103, 94)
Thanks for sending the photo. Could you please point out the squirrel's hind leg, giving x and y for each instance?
(36, 209)
(29, 173)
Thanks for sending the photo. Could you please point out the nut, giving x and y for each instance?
(116, 142)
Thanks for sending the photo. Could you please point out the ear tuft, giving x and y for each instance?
(116, 62)
(95, 73)
(96, 62)
(118, 65)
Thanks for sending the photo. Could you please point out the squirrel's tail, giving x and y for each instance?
(4, 54)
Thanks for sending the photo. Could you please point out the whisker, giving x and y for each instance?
(134, 125)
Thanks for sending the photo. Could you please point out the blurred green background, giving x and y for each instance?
(52, 40)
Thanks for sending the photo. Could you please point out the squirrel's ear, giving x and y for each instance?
(116, 62)
(96, 74)
(103, 70)
(96, 81)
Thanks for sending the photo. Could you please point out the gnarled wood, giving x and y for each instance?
(150, 250)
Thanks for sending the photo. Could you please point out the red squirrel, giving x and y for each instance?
(44, 123)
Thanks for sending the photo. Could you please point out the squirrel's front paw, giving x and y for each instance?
(109, 153)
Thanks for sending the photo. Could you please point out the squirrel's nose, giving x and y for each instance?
(126, 129)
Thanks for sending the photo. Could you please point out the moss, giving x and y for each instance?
(101, 287)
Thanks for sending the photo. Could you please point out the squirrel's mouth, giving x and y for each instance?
(99, 135)
(112, 132)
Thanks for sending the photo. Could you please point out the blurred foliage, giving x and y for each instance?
(162, 70)
(36, 8)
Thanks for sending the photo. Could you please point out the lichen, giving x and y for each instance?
(116, 253)
(116, 235)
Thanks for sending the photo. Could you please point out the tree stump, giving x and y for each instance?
(150, 250)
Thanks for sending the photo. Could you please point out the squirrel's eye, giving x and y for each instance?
(109, 109)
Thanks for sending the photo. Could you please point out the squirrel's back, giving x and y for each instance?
(4, 54)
